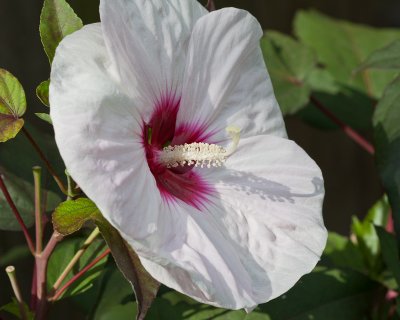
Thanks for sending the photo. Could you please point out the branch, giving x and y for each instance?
(17, 215)
(350, 132)
(46, 162)
(79, 274)
(211, 5)
(76, 258)
(41, 262)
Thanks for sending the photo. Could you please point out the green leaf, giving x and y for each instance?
(115, 298)
(341, 252)
(19, 156)
(367, 238)
(12, 106)
(351, 106)
(387, 57)
(289, 63)
(42, 92)
(294, 71)
(44, 117)
(320, 80)
(128, 262)
(341, 47)
(14, 254)
(390, 252)
(57, 20)
(71, 215)
(328, 294)
(22, 194)
(387, 141)
(13, 308)
(63, 254)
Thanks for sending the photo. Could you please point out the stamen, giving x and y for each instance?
(199, 154)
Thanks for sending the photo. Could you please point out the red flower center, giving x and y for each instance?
(181, 183)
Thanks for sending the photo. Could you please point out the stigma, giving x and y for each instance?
(199, 154)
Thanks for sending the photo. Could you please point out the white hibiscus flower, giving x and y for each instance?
(143, 106)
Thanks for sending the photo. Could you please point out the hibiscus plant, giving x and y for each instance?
(171, 190)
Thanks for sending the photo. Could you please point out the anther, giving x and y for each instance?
(199, 154)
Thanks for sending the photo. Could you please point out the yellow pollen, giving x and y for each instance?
(199, 154)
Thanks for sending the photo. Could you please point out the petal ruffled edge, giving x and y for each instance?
(147, 42)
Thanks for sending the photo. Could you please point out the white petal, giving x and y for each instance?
(148, 41)
(226, 81)
(262, 233)
(98, 133)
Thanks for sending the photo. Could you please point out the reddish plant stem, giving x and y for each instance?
(210, 5)
(350, 132)
(79, 274)
(17, 215)
(390, 223)
(95, 233)
(33, 289)
(41, 261)
(46, 162)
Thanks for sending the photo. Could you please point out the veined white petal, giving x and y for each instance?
(148, 41)
(98, 133)
(226, 81)
(263, 231)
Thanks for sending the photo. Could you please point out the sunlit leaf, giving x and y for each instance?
(387, 57)
(57, 20)
(341, 252)
(44, 117)
(42, 92)
(341, 47)
(367, 238)
(289, 64)
(70, 216)
(12, 106)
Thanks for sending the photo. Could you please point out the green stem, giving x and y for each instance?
(37, 175)
(80, 274)
(76, 258)
(17, 292)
